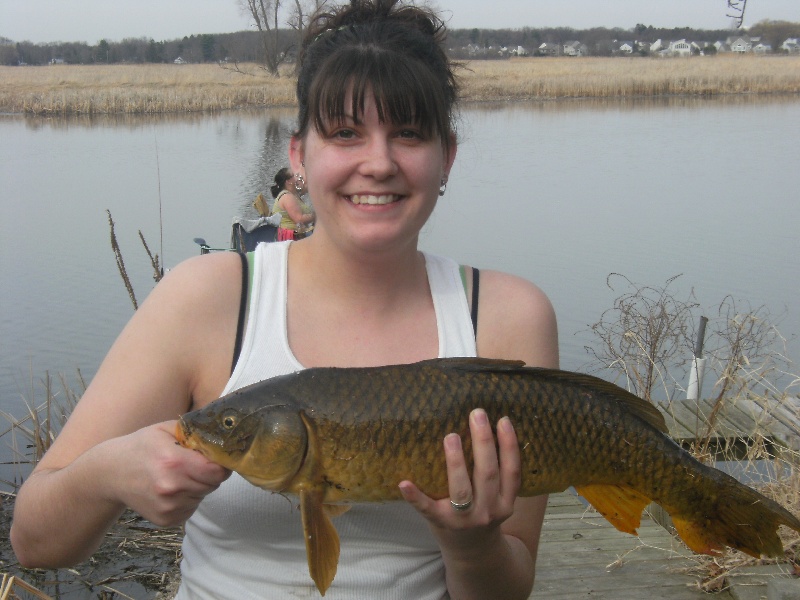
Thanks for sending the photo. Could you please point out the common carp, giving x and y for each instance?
(342, 435)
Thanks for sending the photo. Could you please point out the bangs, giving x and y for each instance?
(403, 94)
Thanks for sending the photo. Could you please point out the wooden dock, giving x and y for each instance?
(581, 555)
(741, 421)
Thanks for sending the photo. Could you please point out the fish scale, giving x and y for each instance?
(344, 435)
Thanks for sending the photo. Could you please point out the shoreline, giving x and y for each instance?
(152, 89)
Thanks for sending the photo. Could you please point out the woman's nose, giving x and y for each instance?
(379, 160)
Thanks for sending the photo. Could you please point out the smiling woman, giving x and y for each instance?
(375, 155)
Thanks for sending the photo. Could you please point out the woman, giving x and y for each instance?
(295, 214)
(376, 153)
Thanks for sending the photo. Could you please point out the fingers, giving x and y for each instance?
(170, 481)
(510, 460)
(458, 480)
(485, 495)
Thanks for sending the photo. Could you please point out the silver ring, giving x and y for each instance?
(461, 507)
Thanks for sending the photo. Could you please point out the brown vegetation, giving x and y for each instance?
(151, 89)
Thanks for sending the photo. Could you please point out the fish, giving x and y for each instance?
(338, 436)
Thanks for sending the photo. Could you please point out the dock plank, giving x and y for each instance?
(581, 555)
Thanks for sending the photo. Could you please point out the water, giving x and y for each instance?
(560, 193)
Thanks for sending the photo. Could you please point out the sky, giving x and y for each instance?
(42, 21)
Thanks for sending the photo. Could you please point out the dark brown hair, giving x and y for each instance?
(384, 48)
(281, 177)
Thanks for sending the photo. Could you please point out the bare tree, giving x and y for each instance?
(265, 17)
(301, 13)
(644, 336)
(737, 6)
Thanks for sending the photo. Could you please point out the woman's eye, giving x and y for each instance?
(412, 134)
(343, 134)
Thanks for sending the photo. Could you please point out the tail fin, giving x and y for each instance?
(743, 519)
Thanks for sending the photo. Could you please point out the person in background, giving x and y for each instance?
(296, 215)
(376, 152)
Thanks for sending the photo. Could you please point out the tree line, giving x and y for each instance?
(270, 46)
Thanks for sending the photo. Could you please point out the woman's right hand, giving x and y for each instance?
(164, 482)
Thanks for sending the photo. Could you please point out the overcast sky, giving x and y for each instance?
(92, 20)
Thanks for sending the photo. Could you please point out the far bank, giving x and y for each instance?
(168, 88)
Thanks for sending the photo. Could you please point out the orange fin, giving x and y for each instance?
(621, 506)
(743, 519)
(697, 538)
(322, 541)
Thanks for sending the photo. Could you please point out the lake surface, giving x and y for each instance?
(562, 193)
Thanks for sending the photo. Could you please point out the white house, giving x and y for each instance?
(741, 45)
(627, 47)
(762, 48)
(791, 45)
(680, 48)
(575, 48)
(548, 49)
(179, 61)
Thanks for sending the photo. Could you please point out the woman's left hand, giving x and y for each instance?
(479, 504)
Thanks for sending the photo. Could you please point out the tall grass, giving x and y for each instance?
(156, 89)
(567, 77)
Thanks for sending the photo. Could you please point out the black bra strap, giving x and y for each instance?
(237, 347)
(475, 289)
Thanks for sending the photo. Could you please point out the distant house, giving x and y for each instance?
(762, 48)
(56, 61)
(791, 45)
(548, 49)
(722, 46)
(575, 48)
(518, 51)
(741, 45)
(680, 48)
(179, 61)
(627, 47)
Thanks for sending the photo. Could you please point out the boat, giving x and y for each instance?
(246, 234)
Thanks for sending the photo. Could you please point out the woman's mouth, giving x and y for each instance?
(373, 199)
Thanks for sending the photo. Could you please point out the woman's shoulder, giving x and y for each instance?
(199, 288)
(517, 320)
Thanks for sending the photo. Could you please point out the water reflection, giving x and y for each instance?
(634, 103)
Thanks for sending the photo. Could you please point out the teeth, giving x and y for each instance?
(373, 199)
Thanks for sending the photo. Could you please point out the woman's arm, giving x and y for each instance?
(490, 550)
(117, 449)
(294, 208)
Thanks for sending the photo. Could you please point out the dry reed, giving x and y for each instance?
(565, 77)
(157, 89)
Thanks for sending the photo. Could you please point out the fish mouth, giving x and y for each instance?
(189, 437)
(183, 433)
(374, 199)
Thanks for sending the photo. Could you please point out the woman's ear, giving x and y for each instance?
(450, 151)
(296, 153)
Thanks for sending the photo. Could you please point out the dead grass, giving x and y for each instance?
(157, 89)
(135, 556)
(565, 77)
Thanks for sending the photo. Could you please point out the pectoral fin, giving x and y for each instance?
(621, 506)
(322, 541)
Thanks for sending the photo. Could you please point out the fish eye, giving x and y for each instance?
(229, 421)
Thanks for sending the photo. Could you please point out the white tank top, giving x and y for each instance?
(244, 542)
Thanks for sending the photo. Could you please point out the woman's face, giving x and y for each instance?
(295, 185)
(370, 182)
